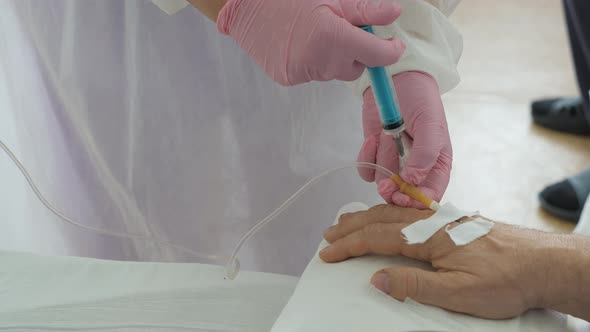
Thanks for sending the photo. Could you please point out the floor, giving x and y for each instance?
(514, 52)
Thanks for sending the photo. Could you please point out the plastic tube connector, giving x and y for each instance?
(415, 193)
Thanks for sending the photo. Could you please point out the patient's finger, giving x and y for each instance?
(352, 222)
(376, 238)
(434, 288)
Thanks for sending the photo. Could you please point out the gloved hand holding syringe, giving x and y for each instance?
(404, 101)
(387, 103)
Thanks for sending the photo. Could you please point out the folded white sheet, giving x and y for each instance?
(79, 294)
(338, 297)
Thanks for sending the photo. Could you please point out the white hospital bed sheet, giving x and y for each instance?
(80, 294)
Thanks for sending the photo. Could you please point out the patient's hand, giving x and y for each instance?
(501, 275)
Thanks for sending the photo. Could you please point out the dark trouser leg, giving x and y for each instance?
(564, 114)
(566, 199)
(577, 14)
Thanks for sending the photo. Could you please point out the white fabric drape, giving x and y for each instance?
(136, 121)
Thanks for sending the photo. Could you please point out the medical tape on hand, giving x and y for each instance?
(421, 231)
(470, 231)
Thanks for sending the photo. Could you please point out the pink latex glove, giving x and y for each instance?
(297, 41)
(428, 165)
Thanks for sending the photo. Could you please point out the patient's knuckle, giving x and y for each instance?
(413, 285)
(372, 230)
(405, 284)
(388, 213)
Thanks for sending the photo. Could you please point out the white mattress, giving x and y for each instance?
(80, 294)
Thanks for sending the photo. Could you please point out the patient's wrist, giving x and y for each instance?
(566, 287)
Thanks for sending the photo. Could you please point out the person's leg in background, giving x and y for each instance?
(566, 198)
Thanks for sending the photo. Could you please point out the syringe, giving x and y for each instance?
(386, 100)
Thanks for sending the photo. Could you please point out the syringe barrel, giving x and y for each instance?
(385, 97)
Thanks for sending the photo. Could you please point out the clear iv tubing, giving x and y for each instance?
(233, 264)
(70, 221)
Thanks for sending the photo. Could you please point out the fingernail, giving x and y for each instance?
(382, 282)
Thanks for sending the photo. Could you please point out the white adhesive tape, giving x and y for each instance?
(470, 231)
(421, 231)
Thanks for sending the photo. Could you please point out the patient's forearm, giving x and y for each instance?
(209, 8)
(568, 282)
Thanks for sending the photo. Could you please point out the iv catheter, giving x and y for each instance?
(387, 103)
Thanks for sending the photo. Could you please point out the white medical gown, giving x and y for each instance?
(137, 121)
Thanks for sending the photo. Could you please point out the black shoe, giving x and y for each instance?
(566, 199)
(560, 200)
(561, 114)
